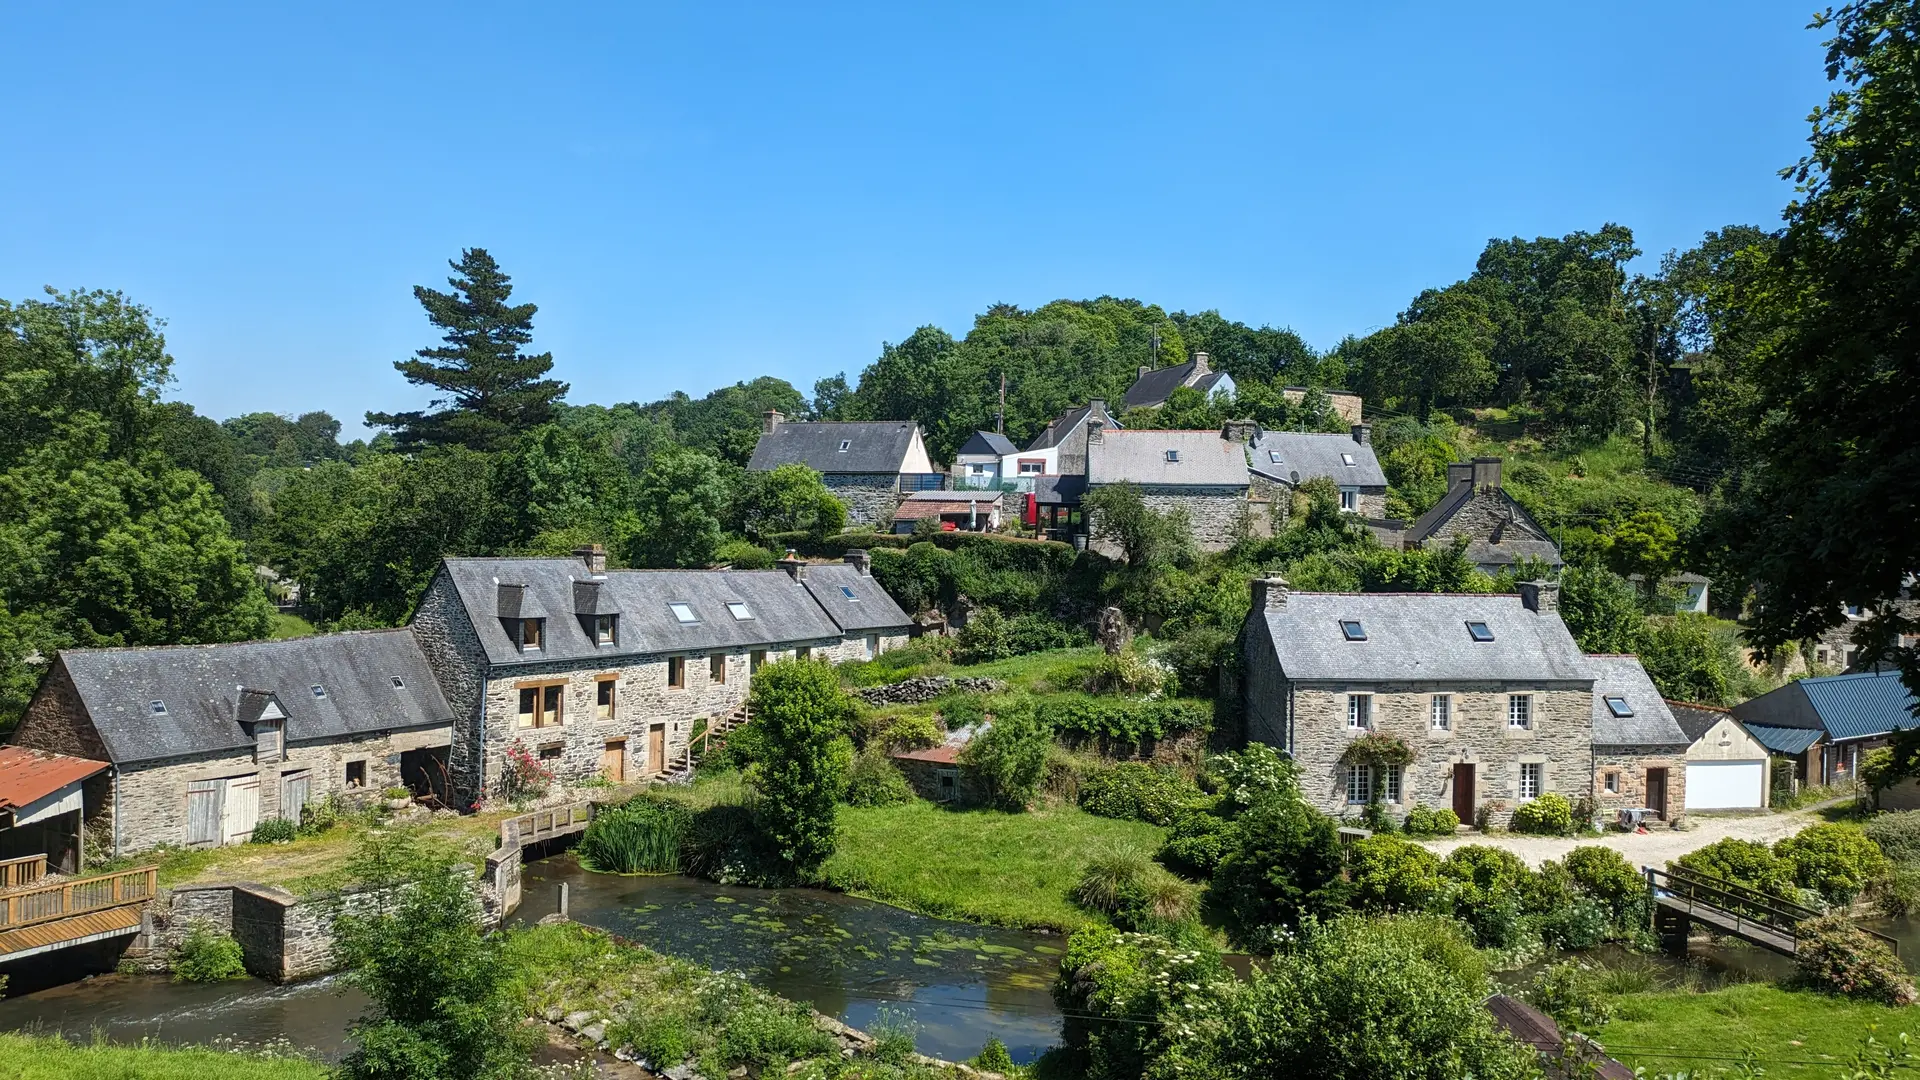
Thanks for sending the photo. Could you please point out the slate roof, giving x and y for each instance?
(1422, 636)
(1860, 705)
(1512, 549)
(1696, 720)
(1068, 422)
(1065, 489)
(1784, 740)
(1140, 457)
(985, 443)
(1310, 455)
(875, 446)
(1155, 387)
(1652, 723)
(870, 608)
(783, 611)
(201, 686)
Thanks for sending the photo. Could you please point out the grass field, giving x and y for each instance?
(51, 1058)
(979, 865)
(1791, 1032)
(289, 626)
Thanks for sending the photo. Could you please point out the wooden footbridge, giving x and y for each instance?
(1682, 898)
(39, 914)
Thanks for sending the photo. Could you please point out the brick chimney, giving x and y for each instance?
(1240, 431)
(1269, 594)
(1486, 474)
(1363, 434)
(795, 566)
(1540, 596)
(595, 556)
(860, 560)
(1200, 366)
(770, 420)
(1458, 471)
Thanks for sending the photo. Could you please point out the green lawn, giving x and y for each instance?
(289, 626)
(28, 1058)
(1791, 1032)
(980, 865)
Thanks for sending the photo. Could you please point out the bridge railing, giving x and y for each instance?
(77, 896)
(1745, 905)
(544, 824)
(24, 870)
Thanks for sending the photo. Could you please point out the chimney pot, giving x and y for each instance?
(795, 567)
(1269, 594)
(1540, 596)
(770, 420)
(1143, 371)
(1486, 473)
(1363, 434)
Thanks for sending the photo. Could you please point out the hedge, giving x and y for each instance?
(1124, 718)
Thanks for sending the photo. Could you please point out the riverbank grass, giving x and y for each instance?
(26, 1057)
(984, 866)
(1676, 1030)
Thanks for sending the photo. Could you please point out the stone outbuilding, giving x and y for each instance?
(206, 741)
(1201, 472)
(607, 672)
(1476, 703)
(868, 465)
(1498, 531)
(1639, 749)
(1290, 458)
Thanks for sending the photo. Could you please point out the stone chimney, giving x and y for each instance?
(1143, 372)
(595, 556)
(1486, 474)
(795, 566)
(1540, 596)
(1269, 594)
(770, 420)
(860, 560)
(1200, 365)
(1363, 434)
(1458, 471)
(1097, 421)
(1240, 431)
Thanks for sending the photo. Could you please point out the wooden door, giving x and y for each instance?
(1657, 792)
(294, 791)
(657, 748)
(206, 799)
(613, 760)
(243, 808)
(1465, 799)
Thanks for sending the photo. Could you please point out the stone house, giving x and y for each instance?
(607, 672)
(206, 741)
(1728, 768)
(1153, 386)
(1291, 458)
(1498, 530)
(1489, 696)
(868, 465)
(1639, 749)
(1201, 472)
(1835, 648)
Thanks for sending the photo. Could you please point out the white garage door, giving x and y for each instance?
(1724, 785)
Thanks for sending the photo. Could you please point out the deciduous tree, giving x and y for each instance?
(801, 714)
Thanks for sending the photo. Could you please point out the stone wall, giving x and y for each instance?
(920, 690)
(56, 720)
(1219, 517)
(1560, 739)
(1629, 765)
(871, 498)
(459, 664)
(1345, 405)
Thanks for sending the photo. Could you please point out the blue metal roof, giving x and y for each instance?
(1784, 740)
(1859, 705)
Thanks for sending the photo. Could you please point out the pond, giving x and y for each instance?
(957, 983)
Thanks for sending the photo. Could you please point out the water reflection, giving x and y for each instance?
(311, 1016)
(959, 984)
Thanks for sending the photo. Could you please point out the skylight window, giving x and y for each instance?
(1347, 459)
(318, 690)
(1274, 456)
(1353, 630)
(398, 683)
(1480, 631)
(845, 445)
(1618, 706)
(158, 707)
(739, 610)
(1173, 455)
(847, 591)
(683, 612)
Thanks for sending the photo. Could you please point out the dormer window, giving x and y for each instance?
(605, 629)
(1173, 455)
(1618, 707)
(157, 707)
(1352, 630)
(847, 591)
(1479, 631)
(318, 690)
(1347, 460)
(683, 612)
(739, 610)
(531, 631)
(845, 445)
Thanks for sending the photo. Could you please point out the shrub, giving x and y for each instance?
(993, 1057)
(1281, 864)
(523, 776)
(274, 830)
(1570, 992)
(1898, 835)
(1491, 883)
(874, 780)
(397, 793)
(1605, 875)
(664, 1038)
(915, 731)
(761, 1032)
(892, 1033)
(744, 555)
(1138, 792)
(1547, 815)
(1009, 759)
(1247, 775)
(1581, 923)
(1838, 957)
(1129, 671)
(1436, 821)
(1196, 842)
(322, 814)
(1118, 991)
(802, 716)
(1199, 656)
(1125, 719)
(1390, 874)
(1836, 861)
(989, 635)
(1743, 862)
(723, 845)
(960, 709)
(643, 836)
(1898, 894)
(208, 955)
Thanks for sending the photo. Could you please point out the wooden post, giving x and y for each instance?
(563, 900)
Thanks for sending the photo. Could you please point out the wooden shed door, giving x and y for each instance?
(1657, 792)
(294, 791)
(243, 808)
(206, 802)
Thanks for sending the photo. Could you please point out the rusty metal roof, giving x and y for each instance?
(939, 755)
(27, 776)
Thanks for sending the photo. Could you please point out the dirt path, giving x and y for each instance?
(1659, 845)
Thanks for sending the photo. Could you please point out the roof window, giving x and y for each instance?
(1618, 706)
(1480, 631)
(1274, 456)
(847, 591)
(845, 444)
(318, 690)
(158, 707)
(398, 683)
(1347, 459)
(683, 612)
(1353, 630)
(1173, 455)
(739, 610)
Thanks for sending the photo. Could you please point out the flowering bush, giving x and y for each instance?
(1377, 748)
(1548, 815)
(524, 777)
(1840, 958)
(1245, 776)
(1111, 981)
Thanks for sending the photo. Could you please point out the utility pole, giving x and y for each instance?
(1000, 418)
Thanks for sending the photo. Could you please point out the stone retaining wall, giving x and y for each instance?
(925, 688)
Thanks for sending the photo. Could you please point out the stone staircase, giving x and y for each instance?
(680, 769)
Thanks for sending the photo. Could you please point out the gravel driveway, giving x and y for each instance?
(1654, 849)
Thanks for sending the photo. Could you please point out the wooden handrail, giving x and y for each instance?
(1775, 914)
(77, 896)
(24, 870)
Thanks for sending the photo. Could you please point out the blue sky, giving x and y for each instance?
(704, 194)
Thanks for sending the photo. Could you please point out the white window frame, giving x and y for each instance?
(1033, 468)
(1359, 712)
(1532, 774)
(1390, 783)
(1610, 782)
(676, 607)
(1350, 500)
(1440, 712)
(739, 610)
(1520, 712)
(1359, 785)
